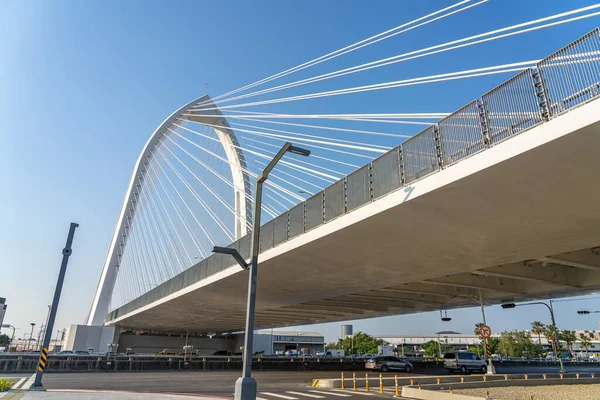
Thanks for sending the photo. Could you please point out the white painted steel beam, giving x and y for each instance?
(106, 283)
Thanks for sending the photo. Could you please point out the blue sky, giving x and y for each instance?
(83, 85)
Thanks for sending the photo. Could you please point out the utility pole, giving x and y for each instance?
(37, 342)
(245, 386)
(37, 384)
(30, 336)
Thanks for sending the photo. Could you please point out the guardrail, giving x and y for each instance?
(566, 79)
(58, 363)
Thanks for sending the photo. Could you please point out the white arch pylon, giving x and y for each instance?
(241, 183)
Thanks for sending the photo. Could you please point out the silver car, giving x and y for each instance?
(464, 361)
(388, 363)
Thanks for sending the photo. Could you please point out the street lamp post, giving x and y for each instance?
(245, 386)
(30, 335)
(513, 305)
(491, 368)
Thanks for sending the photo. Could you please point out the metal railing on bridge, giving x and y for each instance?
(566, 79)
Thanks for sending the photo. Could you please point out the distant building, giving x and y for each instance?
(280, 342)
(412, 343)
(2, 310)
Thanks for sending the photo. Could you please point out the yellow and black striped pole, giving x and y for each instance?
(488, 349)
(43, 358)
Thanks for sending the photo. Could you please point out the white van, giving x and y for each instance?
(464, 361)
(333, 353)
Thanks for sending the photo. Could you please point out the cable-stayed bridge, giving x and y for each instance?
(498, 198)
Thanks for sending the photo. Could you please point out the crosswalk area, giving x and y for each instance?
(331, 394)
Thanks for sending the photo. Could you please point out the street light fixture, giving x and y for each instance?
(245, 386)
(491, 368)
(585, 312)
(513, 305)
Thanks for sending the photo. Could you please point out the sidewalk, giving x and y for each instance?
(96, 395)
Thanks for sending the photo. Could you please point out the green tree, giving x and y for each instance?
(518, 344)
(4, 340)
(477, 328)
(585, 342)
(359, 343)
(569, 338)
(432, 348)
(538, 329)
(552, 335)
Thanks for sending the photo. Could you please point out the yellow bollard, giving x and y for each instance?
(343, 381)
(366, 381)
(462, 379)
(354, 380)
(450, 389)
(577, 376)
(396, 383)
(487, 394)
(526, 377)
(380, 383)
(506, 377)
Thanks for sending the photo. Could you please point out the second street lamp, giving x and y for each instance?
(556, 343)
(245, 386)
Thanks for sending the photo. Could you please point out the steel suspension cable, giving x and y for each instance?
(404, 57)
(339, 52)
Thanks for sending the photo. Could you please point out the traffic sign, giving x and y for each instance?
(485, 332)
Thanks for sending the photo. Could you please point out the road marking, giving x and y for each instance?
(331, 393)
(314, 396)
(258, 398)
(281, 396)
(29, 382)
(353, 392)
(16, 386)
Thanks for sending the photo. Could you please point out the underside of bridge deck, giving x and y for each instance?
(517, 222)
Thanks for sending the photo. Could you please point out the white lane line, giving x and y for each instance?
(314, 396)
(29, 382)
(330, 393)
(258, 398)
(354, 392)
(16, 386)
(281, 396)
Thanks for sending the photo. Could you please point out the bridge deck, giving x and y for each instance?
(518, 221)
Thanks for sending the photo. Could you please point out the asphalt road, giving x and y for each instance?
(272, 385)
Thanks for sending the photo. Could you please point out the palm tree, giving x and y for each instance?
(538, 329)
(477, 332)
(551, 334)
(569, 338)
(585, 342)
(477, 328)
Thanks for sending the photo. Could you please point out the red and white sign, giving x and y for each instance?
(485, 332)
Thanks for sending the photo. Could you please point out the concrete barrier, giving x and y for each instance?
(423, 394)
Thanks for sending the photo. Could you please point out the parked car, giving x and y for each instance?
(388, 363)
(464, 361)
(369, 356)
